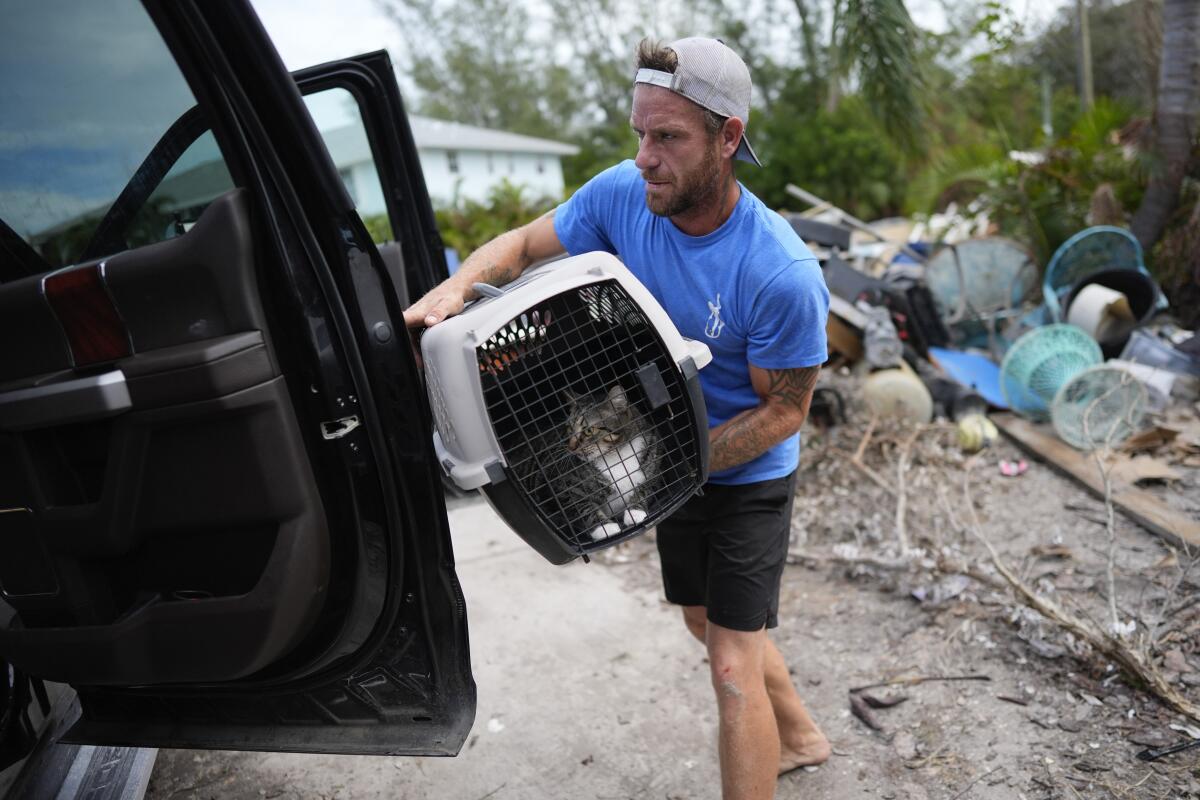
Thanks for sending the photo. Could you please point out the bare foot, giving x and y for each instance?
(805, 752)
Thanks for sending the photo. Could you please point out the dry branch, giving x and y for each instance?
(1134, 662)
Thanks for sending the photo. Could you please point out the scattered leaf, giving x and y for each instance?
(860, 709)
(1131, 471)
(1051, 551)
(1149, 440)
(883, 702)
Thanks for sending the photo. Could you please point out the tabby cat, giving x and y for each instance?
(595, 479)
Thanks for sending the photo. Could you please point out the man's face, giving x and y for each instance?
(680, 161)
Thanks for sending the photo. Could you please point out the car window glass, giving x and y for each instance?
(88, 89)
(340, 122)
(195, 180)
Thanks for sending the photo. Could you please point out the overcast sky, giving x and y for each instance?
(308, 32)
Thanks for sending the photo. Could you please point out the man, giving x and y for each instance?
(733, 274)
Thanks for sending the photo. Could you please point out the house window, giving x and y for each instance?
(452, 160)
(491, 164)
(512, 164)
(541, 165)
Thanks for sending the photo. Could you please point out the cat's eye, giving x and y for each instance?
(590, 430)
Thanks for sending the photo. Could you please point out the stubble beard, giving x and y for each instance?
(701, 185)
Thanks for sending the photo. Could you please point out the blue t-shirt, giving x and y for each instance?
(750, 290)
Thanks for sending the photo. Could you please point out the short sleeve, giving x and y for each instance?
(583, 221)
(787, 326)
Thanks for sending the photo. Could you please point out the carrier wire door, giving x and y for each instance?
(572, 402)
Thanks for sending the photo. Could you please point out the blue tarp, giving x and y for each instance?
(975, 371)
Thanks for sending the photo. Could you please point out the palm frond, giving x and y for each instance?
(878, 42)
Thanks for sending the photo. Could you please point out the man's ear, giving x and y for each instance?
(731, 136)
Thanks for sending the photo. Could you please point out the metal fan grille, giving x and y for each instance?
(582, 343)
(1100, 407)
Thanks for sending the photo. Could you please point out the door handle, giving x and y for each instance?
(60, 402)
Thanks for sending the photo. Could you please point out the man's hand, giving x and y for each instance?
(444, 300)
(498, 262)
(784, 398)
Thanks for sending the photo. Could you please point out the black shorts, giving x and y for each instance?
(725, 550)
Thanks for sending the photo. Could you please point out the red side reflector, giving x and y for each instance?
(95, 331)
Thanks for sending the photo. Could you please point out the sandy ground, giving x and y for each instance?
(589, 686)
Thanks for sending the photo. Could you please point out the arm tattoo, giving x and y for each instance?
(752, 433)
(741, 439)
(793, 386)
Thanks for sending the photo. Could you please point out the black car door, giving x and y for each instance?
(220, 514)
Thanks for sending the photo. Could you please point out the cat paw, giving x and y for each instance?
(634, 516)
(606, 530)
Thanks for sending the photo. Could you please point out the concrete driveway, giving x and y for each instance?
(587, 688)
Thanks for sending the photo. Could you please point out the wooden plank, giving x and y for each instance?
(846, 310)
(1140, 506)
(843, 339)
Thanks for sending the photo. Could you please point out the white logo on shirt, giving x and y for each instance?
(713, 329)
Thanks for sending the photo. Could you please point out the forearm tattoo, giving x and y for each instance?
(752, 433)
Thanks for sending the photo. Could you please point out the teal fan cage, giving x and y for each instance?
(1040, 362)
(1101, 406)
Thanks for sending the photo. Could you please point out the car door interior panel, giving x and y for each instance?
(221, 518)
(164, 523)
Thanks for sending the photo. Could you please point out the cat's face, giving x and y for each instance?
(597, 425)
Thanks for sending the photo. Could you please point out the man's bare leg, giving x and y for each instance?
(801, 741)
(748, 740)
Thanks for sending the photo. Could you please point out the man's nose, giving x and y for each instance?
(646, 157)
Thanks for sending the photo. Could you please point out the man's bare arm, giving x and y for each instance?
(498, 262)
(784, 398)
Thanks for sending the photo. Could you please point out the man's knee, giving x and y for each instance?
(735, 661)
(695, 618)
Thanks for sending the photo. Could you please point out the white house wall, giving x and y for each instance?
(478, 172)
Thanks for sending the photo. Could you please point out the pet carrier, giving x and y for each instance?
(572, 402)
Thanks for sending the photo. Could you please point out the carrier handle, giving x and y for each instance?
(487, 290)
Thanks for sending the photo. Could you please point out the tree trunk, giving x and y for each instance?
(833, 93)
(1174, 117)
(1087, 92)
(812, 65)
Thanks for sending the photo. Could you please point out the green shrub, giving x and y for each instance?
(467, 224)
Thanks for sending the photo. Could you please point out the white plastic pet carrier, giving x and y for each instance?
(572, 402)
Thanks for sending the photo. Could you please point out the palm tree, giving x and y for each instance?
(875, 43)
(1175, 117)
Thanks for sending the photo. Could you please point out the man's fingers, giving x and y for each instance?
(427, 313)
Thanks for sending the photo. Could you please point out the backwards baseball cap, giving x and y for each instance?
(712, 76)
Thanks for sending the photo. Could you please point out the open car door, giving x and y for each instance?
(221, 518)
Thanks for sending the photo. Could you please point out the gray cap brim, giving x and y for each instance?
(746, 153)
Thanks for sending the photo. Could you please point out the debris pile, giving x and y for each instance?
(936, 349)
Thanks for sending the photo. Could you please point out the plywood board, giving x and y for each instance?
(1140, 506)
